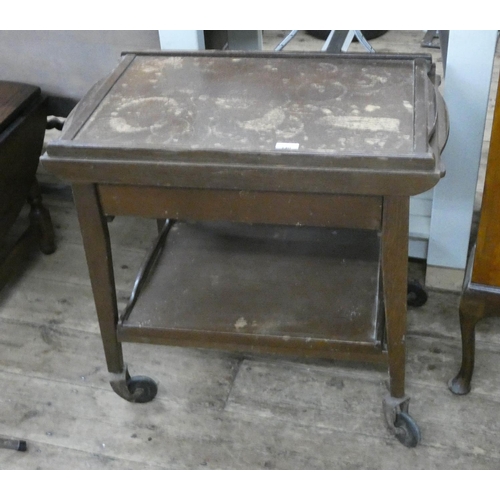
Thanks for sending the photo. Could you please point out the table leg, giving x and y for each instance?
(394, 261)
(395, 283)
(94, 229)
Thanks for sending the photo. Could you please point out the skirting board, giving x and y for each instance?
(444, 278)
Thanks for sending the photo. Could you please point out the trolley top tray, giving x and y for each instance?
(372, 114)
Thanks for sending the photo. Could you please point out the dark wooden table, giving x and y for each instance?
(281, 184)
(23, 120)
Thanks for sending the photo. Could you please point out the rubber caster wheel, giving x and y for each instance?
(417, 296)
(144, 389)
(407, 431)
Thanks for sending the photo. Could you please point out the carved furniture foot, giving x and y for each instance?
(477, 302)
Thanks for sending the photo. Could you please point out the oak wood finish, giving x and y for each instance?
(139, 146)
(99, 260)
(244, 285)
(481, 291)
(395, 272)
(361, 212)
(486, 268)
(215, 410)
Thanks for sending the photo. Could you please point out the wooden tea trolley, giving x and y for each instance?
(281, 184)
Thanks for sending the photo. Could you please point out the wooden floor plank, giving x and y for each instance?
(66, 305)
(43, 456)
(342, 402)
(186, 377)
(164, 435)
(68, 265)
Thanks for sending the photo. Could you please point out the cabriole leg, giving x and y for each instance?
(470, 312)
(477, 302)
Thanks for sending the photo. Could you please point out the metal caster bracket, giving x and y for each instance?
(392, 407)
(138, 389)
(399, 422)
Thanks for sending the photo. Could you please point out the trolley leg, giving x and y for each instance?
(394, 283)
(97, 246)
(394, 280)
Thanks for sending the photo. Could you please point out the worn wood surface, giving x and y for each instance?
(218, 410)
(361, 212)
(394, 262)
(262, 288)
(97, 245)
(266, 121)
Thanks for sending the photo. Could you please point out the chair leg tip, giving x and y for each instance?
(459, 386)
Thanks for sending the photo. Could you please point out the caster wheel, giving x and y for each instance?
(417, 296)
(408, 432)
(145, 388)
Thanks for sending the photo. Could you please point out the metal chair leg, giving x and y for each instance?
(339, 41)
(286, 40)
(363, 41)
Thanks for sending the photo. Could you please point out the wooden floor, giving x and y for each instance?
(216, 410)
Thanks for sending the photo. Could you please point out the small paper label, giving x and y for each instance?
(287, 145)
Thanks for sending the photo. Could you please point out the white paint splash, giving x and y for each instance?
(240, 323)
(121, 125)
(408, 106)
(373, 124)
(270, 121)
